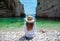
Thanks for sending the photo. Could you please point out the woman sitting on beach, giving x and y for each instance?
(29, 27)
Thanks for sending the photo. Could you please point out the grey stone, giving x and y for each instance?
(48, 8)
(19, 36)
(10, 8)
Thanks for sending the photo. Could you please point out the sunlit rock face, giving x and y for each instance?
(48, 8)
(11, 8)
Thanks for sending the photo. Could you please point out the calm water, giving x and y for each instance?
(17, 23)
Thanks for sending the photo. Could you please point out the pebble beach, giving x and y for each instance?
(40, 35)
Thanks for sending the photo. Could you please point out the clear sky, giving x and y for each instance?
(29, 6)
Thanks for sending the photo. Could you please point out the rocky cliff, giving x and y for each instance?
(10, 8)
(48, 8)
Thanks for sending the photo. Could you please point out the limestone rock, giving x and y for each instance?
(48, 8)
(10, 8)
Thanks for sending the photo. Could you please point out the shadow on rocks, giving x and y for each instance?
(23, 38)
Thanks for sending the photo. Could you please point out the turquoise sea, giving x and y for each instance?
(15, 23)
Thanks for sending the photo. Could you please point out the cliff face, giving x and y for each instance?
(10, 8)
(48, 8)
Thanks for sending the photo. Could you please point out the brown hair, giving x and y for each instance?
(29, 26)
